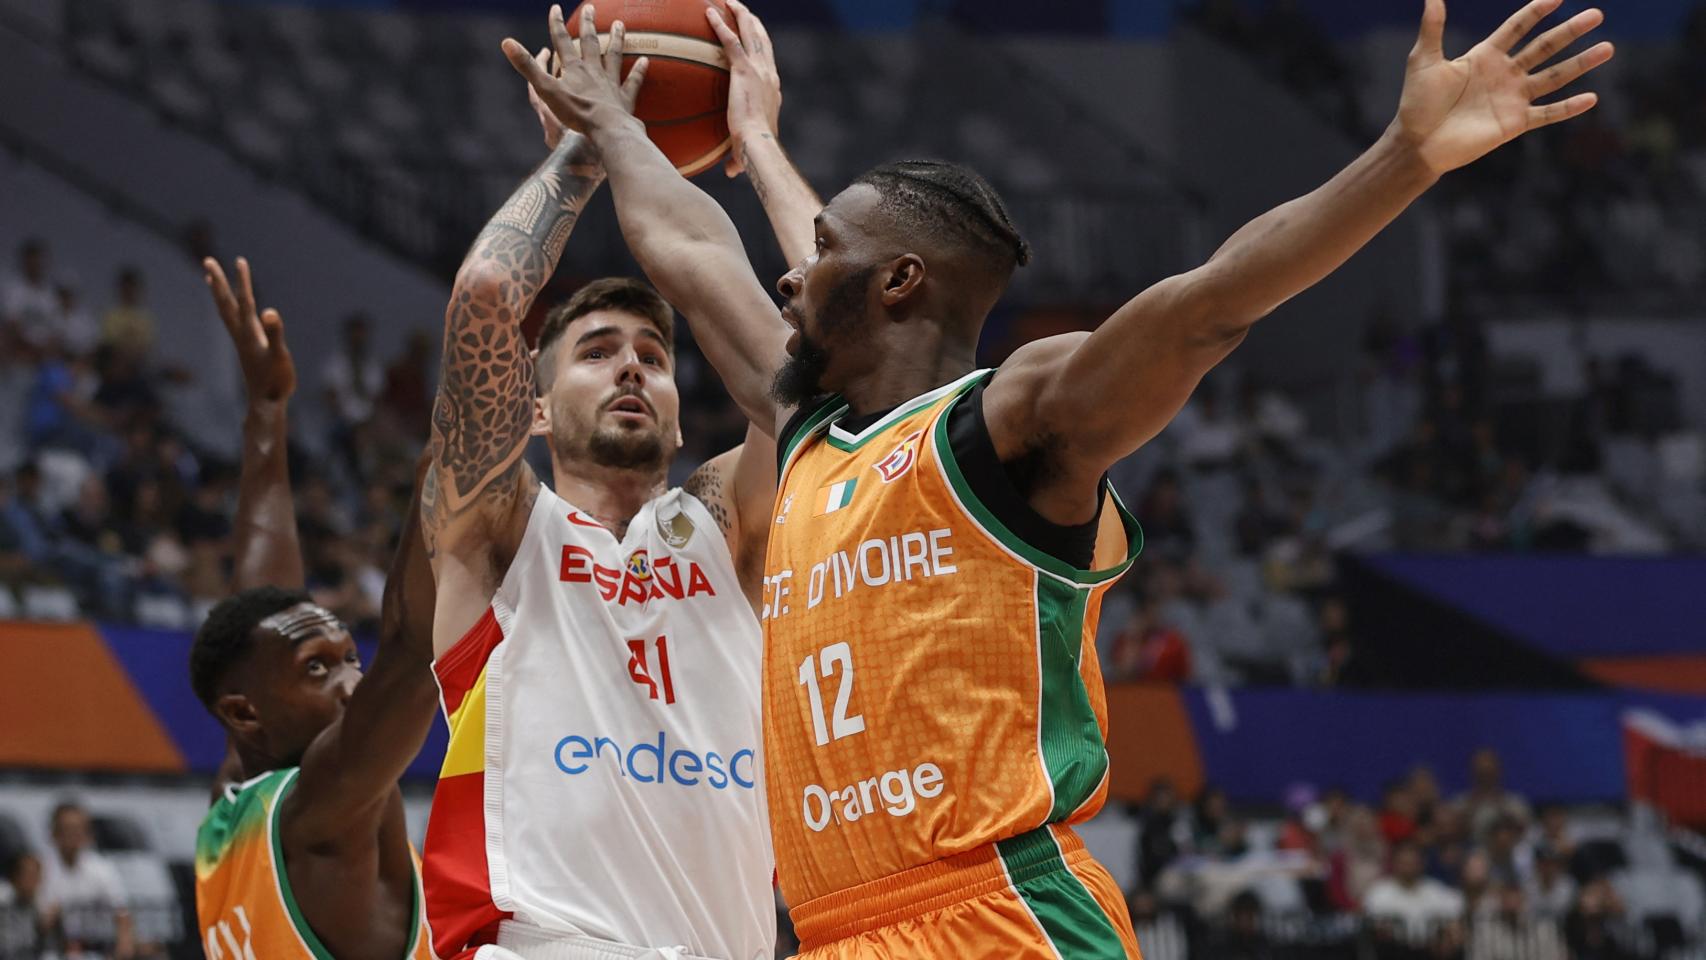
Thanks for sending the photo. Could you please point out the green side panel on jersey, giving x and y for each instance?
(1073, 752)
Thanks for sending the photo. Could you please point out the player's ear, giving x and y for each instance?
(902, 278)
(541, 418)
(239, 715)
(541, 426)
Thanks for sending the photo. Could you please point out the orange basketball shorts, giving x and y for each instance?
(1039, 894)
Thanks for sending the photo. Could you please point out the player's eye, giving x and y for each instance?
(353, 657)
(316, 667)
(654, 361)
(595, 354)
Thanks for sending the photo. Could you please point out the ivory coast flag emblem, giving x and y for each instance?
(834, 496)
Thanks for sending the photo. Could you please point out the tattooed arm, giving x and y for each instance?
(476, 498)
(738, 487)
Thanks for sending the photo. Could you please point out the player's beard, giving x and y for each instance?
(800, 380)
(611, 445)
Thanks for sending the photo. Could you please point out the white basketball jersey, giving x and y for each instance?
(605, 744)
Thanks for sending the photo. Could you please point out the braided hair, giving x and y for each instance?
(952, 203)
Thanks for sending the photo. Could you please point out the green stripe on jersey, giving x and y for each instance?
(1073, 754)
(1073, 921)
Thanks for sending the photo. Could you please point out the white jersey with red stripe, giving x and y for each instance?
(603, 777)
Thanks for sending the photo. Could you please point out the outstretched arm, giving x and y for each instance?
(266, 546)
(683, 240)
(1094, 399)
(350, 771)
(267, 550)
(476, 497)
(755, 117)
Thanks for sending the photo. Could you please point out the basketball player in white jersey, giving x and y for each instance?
(595, 641)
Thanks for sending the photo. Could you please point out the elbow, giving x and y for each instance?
(1213, 313)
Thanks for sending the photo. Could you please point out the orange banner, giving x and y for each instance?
(69, 703)
(1149, 736)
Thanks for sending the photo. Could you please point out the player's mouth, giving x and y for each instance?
(629, 407)
(793, 321)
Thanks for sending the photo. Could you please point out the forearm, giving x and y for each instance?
(267, 550)
(691, 252)
(486, 360)
(1294, 246)
(789, 201)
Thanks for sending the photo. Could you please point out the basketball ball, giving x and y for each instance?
(685, 99)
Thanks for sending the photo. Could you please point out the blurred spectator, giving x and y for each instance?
(1241, 936)
(84, 889)
(75, 327)
(128, 326)
(352, 377)
(1397, 812)
(1551, 891)
(1160, 934)
(1163, 830)
(1210, 812)
(60, 411)
(1167, 530)
(1424, 793)
(1487, 800)
(1507, 858)
(1208, 438)
(27, 300)
(1274, 421)
(15, 563)
(407, 399)
(1149, 648)
(1509, 932)
(1595, 928)
(1256, 524)
(23, 924)
(1360, 861)
(1409, 898)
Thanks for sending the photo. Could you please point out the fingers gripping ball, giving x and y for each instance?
(685, 99)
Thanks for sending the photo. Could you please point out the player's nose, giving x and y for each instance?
(789, 285)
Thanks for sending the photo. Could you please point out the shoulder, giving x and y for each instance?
(1021, 380)
(709, 484)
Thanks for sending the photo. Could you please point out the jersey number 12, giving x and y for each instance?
(824, 664)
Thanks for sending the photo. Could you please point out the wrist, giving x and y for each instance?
(609, 123)
(263, 410)
(1401, 153)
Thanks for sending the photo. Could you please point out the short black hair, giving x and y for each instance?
(227, 637)
(622, 294)
(950, 202)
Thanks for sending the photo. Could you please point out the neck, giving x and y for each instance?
(610, 494)
(907, 372)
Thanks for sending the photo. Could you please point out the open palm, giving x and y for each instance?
(1457, 111)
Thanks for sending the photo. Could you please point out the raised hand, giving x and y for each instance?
(1453, 112)
(548, 122)
(588, 85)
(268, 372)
(755, 88)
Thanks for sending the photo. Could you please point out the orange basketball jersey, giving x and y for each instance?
(930, 680)
(242, 893)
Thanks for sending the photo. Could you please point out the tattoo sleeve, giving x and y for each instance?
(706, 483)
(484, 406)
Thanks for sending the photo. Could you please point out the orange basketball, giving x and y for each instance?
(685, 100)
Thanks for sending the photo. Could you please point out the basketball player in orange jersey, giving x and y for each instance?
(308, 855)
(597, 642)
(943, 536)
